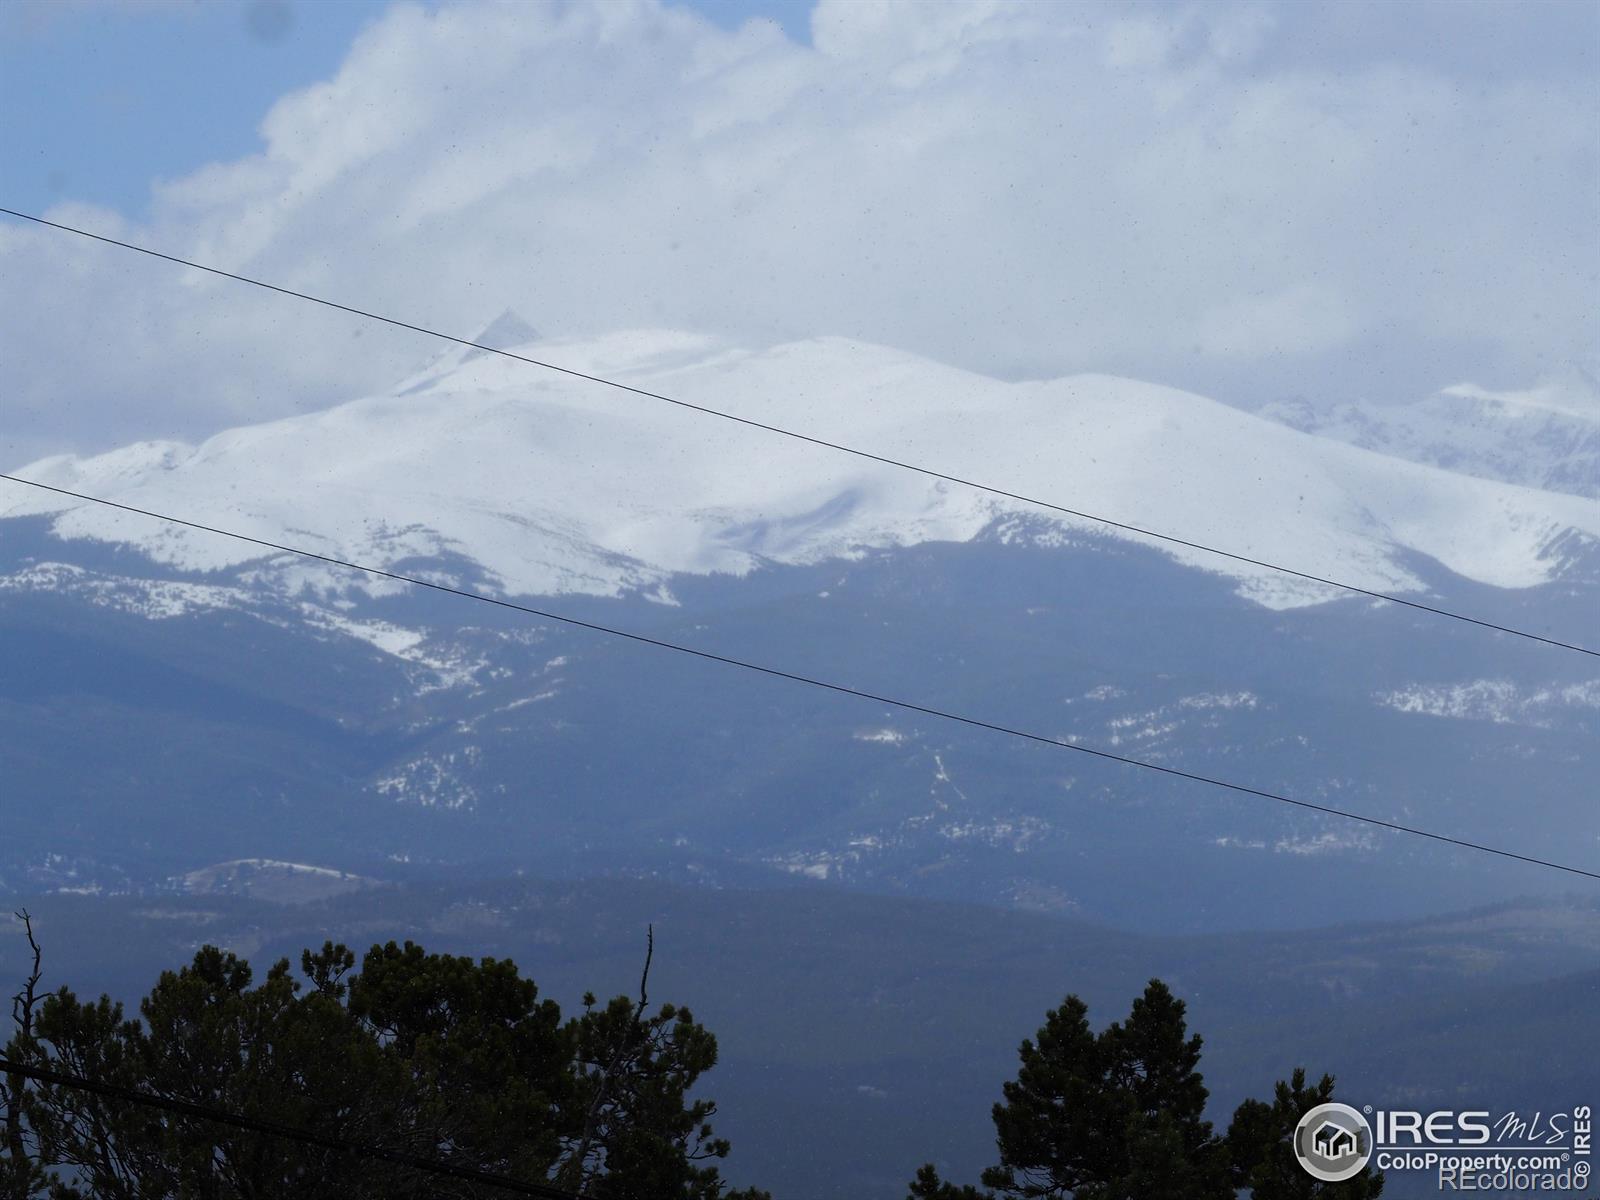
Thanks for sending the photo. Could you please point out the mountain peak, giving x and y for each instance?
(505, 331)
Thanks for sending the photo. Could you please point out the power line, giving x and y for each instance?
(817, 441)
(794, 677)
(431, 1166)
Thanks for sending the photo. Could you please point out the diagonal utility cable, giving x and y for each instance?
(817, 441)
(794, 677)
(431, 1166)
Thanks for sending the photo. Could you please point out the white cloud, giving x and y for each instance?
(1018, 188)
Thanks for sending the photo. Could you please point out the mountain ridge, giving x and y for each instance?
(554, 485)
(1547, 437)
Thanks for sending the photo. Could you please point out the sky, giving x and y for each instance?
(1338, 201)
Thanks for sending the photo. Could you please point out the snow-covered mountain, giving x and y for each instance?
(549, 484)
(1545, 437)
(175, 699)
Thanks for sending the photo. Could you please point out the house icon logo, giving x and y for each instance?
(1333, 1142)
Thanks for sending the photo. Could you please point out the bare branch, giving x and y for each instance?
(24, 1002)
(13, 1089)
(644, 979)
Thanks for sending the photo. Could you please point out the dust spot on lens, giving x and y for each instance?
(269, 20)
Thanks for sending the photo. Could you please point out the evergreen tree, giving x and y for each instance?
(429, 1055)
(1119, 1115)
(1113, 1116)
(928, 1186)
(1261, 1147)
(478, 1067)
(641, 1136)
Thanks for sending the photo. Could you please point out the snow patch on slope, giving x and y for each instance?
(1496, 700)
(155, 599)
(167, 599)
